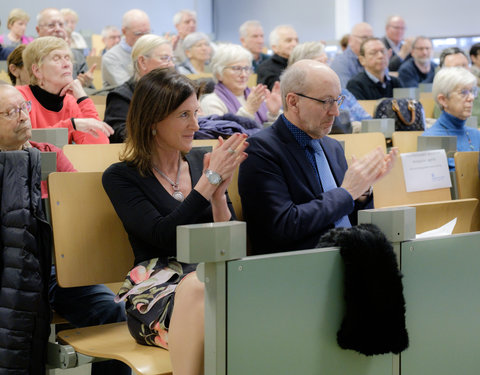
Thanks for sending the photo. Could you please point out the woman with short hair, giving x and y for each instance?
(149, 52)
(59, 101)
(17, 24)
(162, 183)
(198, 50)
(454, 90)
(231, 67)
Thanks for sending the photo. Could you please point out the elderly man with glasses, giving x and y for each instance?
(296, 184)
(346, 64)
(117, 61)
(50, 22)
(374, 82)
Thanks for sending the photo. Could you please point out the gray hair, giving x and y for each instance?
(293, 79)
(177, 18)
(43, 12)
(144, 47)
(131, 15)
(448, 79)
(193, 38)
(274, 38)
(69, 12)
(243, 30)
(107, 29)
(421, 37)
(227, 54)
(308, 50)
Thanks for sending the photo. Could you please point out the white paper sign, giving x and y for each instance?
(426, 170)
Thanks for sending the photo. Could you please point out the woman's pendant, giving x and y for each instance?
(178, 196)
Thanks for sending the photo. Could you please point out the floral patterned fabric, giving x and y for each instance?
(149, 292)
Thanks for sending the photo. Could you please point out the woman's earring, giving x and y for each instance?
(154, 132)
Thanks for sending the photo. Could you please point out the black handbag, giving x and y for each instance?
(407, 113)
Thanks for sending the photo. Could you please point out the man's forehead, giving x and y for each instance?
(255, 30)
(51, 15)
(9, 96)
(374, 44)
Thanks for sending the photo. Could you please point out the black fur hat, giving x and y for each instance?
(374, 321)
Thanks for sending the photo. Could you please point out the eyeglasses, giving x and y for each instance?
(14, 113)
(464, 93)
(141, 33)
(327, 103)
(237, 69)
(361, 37)
(166, 59)
(52, 25)
(375, 52)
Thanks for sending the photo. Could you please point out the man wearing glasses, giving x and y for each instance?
(374, 82)
(50, 22)
(295, 183)
(117, 61)
(346, 64)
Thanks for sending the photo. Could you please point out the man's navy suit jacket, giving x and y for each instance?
(282, 199)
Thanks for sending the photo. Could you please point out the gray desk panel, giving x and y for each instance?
(283, 313)
(442, 291)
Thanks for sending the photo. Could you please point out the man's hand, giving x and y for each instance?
(86, 78)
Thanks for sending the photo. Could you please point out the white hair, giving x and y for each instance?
(243, 30)
(308, 50)
(274, 38)
(448, 79)
(227, 54)
(177, 18)
(193, 38)
(133, 14)
(107, 29)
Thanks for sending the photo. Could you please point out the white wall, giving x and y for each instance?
(95, 14)
(431, 18)
(313, 19)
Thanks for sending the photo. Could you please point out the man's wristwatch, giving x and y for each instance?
(213, 177)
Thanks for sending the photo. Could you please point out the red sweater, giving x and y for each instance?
(63, 164)
(44, 118)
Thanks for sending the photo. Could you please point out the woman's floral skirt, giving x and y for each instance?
(149, 292)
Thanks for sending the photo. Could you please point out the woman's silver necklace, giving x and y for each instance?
(177, 194)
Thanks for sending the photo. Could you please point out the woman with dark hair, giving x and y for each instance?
(161, 183)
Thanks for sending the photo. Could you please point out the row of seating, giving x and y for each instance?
(78, 200)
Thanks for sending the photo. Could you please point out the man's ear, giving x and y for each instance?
(292, 102)
(361, 59)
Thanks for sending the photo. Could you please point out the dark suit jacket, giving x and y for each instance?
(363, 88)
(282, 200)
(269, 71)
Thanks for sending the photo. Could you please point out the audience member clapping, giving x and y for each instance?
(231, 67)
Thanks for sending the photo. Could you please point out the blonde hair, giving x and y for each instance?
(15, 15)
(144, 47)
(69, 12)
(37, 50)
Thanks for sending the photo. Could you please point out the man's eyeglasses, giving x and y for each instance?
(14, 113)
(52, 25)
(464, 93)
(237, 69)
(383, 51)
(361, 37)
(141, 33)
(327, 103)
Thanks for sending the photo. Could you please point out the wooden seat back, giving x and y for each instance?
(391, 191)
(360, 144)
(91, 245)
(406, 141)
(369, 106)
(466, 173)
(93, 158)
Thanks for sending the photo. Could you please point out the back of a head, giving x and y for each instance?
(307, 50)
(38, 49)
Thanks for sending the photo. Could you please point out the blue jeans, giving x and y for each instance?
(88, 306)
